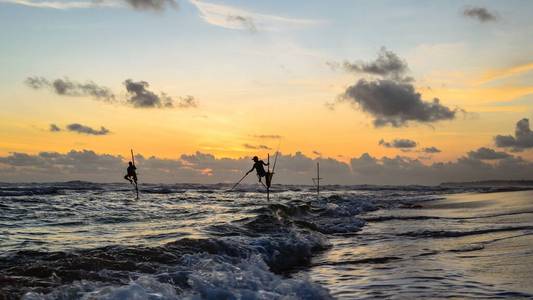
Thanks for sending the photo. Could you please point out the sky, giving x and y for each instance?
(379, 92)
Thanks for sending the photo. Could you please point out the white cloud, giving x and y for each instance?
(60, 4)
(240, 19)
(154, 5)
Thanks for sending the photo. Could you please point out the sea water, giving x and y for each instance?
(81, 240)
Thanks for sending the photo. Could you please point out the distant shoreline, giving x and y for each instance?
(491, 183)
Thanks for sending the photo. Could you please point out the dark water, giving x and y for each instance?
(91, 241)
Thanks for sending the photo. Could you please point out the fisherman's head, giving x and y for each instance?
(130, 163)
(255, 158)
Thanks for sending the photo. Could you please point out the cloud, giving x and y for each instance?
(392, 99)
(487, 154)
(83, 129)
(395, 103)
(398, 143)
(317, 153)
(187, 102)
(481, 14)
(57, 4)
(230, 17)
(258, 147)
(155, 5)
(66, 87)
(138, 94)
(268, 136)
(403, 170)
(141, 5)
(140, 97)
(388, 65)
(522, 140)
(54, 128)
(294, 168)
(246, 22)
(498, 74)
(431, 150)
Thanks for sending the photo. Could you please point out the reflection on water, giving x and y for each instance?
(464, 246)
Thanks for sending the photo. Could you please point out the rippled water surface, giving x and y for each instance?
(75, 240)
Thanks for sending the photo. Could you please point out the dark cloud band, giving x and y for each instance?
(294, 168)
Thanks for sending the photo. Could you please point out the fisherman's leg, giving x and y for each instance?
(127, 177)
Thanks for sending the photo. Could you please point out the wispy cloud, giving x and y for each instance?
(268, 136)
(67, 87)
(256, 147)
(156, 5)
(59, 4)
(506, 72)
(54, 128)
(481, 14)
(153, 5)
(240, 19)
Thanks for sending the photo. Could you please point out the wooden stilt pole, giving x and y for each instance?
(316, 181)
(268, 178)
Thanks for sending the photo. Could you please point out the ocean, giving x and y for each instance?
(81, 240)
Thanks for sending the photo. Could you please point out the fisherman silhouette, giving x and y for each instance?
(258, 166)
(131, 176)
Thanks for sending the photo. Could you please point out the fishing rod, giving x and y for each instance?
(235, 185)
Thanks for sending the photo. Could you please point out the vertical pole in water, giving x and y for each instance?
(267, 179)
(318, 181)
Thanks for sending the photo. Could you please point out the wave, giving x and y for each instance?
(468, 248)
(246, 258)
(423, 218)
(28, 191)
(403, 218)
(451, 234)
(369, 260)
(206, 266)
(267, 246)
